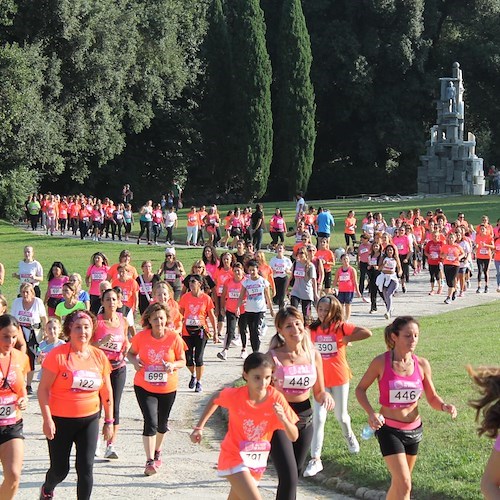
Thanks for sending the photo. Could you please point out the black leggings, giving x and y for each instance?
(348, 237)
(145, 226)
(450, 273)
(306, 306)
(434, 273)
(372, 286)
(83, 432)
(118, 378)
(155, 409)
(363, 272)
(196, 348)
(289, 458)
(231, 320)
(279, 298)
(255, 321)
(275, 236)
(482, 268)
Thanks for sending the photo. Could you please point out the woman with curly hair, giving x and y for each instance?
(488, 381)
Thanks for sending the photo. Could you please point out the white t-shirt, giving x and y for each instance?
(170, 218)
(28, 317)
(300, 205)
(27, 270)
(256, 297)
(280, 266)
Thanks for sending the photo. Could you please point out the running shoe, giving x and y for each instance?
(222, 355)
(447, 300)
(373, 311)
(404, 289)
(150, 468)
(198, 387)
(387, 315)
(485, 289)
(313, 467)
(498, 289)
(352, 444)
(192, 382)
(44, 495)
(157, 460)
(478, 289)
(453, 295)
(243, 354)
(110, 452)
(29, 390)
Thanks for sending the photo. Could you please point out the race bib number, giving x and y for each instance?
(55, 290)
(99, 275)
(404, 396)
(450, 257)
(112, 346)
(8, 410)
(234, 294)
(279, 268)
(155, 375)
(344, 277)
(25, 318)
(170, 276)
(363, 250)
(400, 246)
(25, 278)
(298, 273)
(84, 380)
(193, 322)
(219, 289)
(434, 255)
(326, 347)
(297, 382)
(255, 454)
(484, 251)
(373, 262)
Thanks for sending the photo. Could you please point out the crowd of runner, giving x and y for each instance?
(83, 339)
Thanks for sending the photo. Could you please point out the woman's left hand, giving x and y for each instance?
(327, 401)
(22, 403)
(107, 431)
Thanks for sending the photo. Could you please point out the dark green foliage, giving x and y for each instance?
(252, 92)
(295, 107)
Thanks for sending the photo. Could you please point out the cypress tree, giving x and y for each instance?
(295, 103)
(252, 98)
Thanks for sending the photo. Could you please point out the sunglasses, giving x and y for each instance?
(193, 281)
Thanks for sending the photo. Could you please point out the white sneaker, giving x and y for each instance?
(222, 355)
(243, 354)
(387, 315)
(352, 444)
(313, 467)
(110, 452)
(98, 449)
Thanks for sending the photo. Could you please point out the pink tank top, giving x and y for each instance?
(112, 348)
(399, 391)
(293, 379)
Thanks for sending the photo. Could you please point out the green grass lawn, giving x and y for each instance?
(451, 456)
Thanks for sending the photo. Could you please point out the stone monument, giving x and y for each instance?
(450, 164)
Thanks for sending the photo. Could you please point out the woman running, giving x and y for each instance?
(14, 366)
(387, 281)
(146, 221)
(70, 302)
(330, 335)
(305, 287)
(496, 258)
(163, 294)
(298, 371)
(197, 309)
(245, 448)
(157, 354)
(282, 268)
(229, 306)
(30, 270)
(402, 377)
(374, 266)
(146, 282)
(111, 337)
(75, 384)
(347, 283)
(55, 281)
(96, 272)
(277, 229)
(451, 255)
(172, 271)
(484, 246)
(222, 274)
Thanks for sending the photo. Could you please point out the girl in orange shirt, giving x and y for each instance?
(256, 410)
(331, 335)
(451, 254)
(484, 246)
(157, 354)
(350, 228)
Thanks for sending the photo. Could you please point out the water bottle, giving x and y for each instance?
(367, 432)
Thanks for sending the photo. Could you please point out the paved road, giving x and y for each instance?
(189, 470)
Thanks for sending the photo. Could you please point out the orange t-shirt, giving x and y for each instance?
(196, 310)
(497, 249)
(267, 273)
(192, 219)
(153, 353)
(250, 428)
(113, 272)
(75, 391)
(233, 291)
(450, 255)
(175, 314)
(350, 225)
(221, 276)
(482, 251)
(17, 366)
(326, 256)
(333, 352)
(129, 290)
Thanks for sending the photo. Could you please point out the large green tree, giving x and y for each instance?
(252, 91)
(294, 124)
